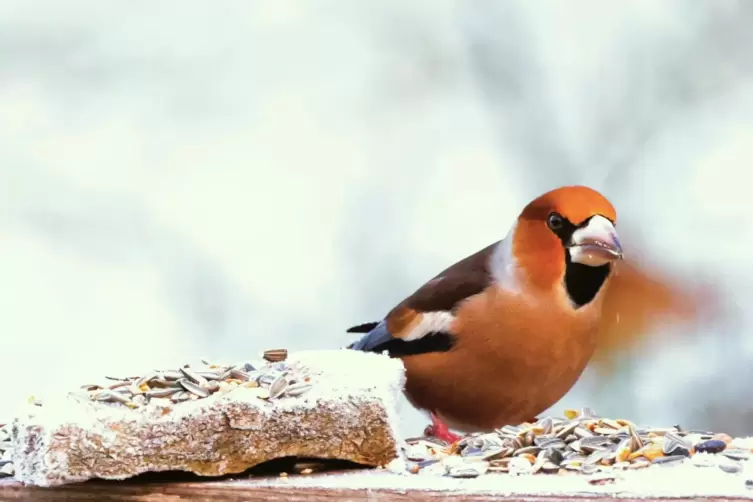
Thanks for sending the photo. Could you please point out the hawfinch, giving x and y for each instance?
(503, 334)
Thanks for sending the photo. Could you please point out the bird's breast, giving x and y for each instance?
(515, 357)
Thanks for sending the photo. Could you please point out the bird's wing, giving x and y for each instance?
(421, 323)
(637, 300)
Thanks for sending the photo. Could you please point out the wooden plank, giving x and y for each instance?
(127, 492)
(160, 490)
(337, 480)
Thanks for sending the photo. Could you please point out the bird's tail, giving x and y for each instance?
(362, 328)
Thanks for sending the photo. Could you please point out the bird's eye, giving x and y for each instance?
(555, 221)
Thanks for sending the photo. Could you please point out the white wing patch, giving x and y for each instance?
(431, 322)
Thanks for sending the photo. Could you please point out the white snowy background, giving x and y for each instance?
(186, 179)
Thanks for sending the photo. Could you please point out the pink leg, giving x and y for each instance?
(439, 430)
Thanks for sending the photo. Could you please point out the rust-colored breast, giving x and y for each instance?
(513, 360)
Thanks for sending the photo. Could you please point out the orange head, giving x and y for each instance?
(568, 235)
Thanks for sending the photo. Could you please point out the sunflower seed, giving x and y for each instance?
(112, 396)
(603, 431)
(193, 387)
(240, 375)
(509, 430)
(278, 387)
(671, 460)
(594, 443)
(550, 467)
(731, 466)
(529, 438)
(180, 396)
(209, 375)
(582, 432)
(589, 469)
(544, 442)
(539, 463)
(623, 450)
(547, 424)
(736, 454)
(123, 383)
(171, 375)
(165, 384)
(162, 393)
(7, 470)
(471, 470)
(554, 455)
(472, 451)
(145, 379)
(275, 355)
(587, 413)
(192, 376)
(298, 389)
(596, 457)
(636, 443)
(248, 367)
(674, 445)
(566, 430)
(611, 424)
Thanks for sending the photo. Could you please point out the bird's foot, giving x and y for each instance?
(439, 430)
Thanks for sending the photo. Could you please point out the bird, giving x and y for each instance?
(503, 334)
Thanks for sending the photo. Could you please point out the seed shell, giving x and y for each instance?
(275, 355)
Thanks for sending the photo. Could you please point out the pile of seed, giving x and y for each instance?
(274, 379)
(6, 465)
(579, 442)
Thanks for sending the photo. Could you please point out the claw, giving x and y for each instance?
(439, 430)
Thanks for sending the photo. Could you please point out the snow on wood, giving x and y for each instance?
(349, 414)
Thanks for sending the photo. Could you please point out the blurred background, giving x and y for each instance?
(187, 179)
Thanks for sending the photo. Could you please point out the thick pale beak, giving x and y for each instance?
(595, 244)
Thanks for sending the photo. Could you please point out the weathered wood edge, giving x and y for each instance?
(231, 491)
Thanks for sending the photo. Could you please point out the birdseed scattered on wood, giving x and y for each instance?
(578, 443)
(276, 378)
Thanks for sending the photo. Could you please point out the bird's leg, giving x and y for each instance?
(439, 430)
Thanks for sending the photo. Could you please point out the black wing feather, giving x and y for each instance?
(363, 328)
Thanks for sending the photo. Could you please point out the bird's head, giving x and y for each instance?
(568, 234)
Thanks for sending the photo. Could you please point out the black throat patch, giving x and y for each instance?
(583, 282)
